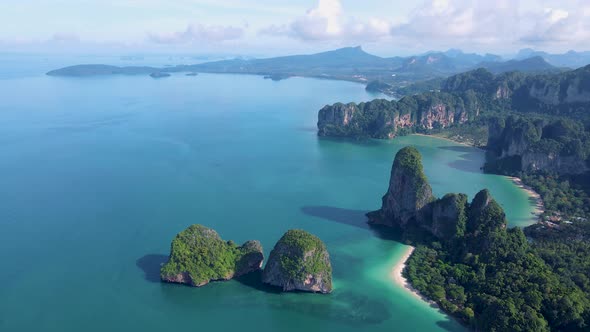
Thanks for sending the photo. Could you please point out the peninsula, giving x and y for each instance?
(469, 262)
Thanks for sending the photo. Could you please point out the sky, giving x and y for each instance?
(275, 27)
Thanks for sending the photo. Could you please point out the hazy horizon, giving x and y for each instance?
(280, 27)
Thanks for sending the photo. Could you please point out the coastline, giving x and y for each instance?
(448, 139)
(402, 282)
(539, 206)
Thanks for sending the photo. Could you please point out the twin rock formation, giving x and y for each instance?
(410, 204)
(299, 260)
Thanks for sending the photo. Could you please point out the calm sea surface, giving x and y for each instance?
(97, 175)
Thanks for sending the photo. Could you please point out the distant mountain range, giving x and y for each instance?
(351, 63)
(534, 64)
(571, 59)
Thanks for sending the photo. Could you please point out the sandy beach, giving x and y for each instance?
(398, 278)
(444, 138)
(539, 207)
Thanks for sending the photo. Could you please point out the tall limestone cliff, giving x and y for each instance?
(525, 144)
(408, 194)
(410, 205)
(299, 262)
(555, 93)
(449, 216)
(462, 98)
(387, 119)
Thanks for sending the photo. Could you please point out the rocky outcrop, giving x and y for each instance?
(385, 119)
(568, 88)
(408, 194)
(299, 262)
(449, 216)
(485, 219)
(410, 205)
(249, 259)
(439, 115)
(462, 98)
(552, 162)
(503, 92)
(198, 256)
(521, 144)
(337, 115)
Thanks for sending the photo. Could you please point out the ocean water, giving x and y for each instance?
(97, 175)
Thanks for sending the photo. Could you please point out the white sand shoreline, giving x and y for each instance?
(400, 280)
(539, 206)
(448, 139)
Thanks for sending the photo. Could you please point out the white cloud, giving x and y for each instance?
(459, 20)
(327, 21)
(198, 32)
(494, 25)
(556, 15)
(557, 26)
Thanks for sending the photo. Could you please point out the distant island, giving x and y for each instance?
(100, 70)
(159, 75)
(395, 76)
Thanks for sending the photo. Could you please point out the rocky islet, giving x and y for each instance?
(298, 262)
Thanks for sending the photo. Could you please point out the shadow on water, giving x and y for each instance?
(356, 218)
(349, 217)
(469, 161)
(254, 280)
(150, 265)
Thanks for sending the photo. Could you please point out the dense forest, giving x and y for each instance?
(535, 127)
(493, 279)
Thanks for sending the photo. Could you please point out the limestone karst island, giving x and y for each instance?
(309, 165)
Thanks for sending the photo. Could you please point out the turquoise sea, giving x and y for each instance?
(97, 175)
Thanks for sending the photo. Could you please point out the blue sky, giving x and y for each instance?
(271, 27)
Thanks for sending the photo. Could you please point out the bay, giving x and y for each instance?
(99, 174)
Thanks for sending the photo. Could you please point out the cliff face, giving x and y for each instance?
(408, 194)
(449, 215)
(538, 161)
(525, 91)
(523, 145)
(410, 205)
(485, 218)
(384, 119)
(338, 115)
(198, 256)
(299, 261)
(569, 89)
(439, 115)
